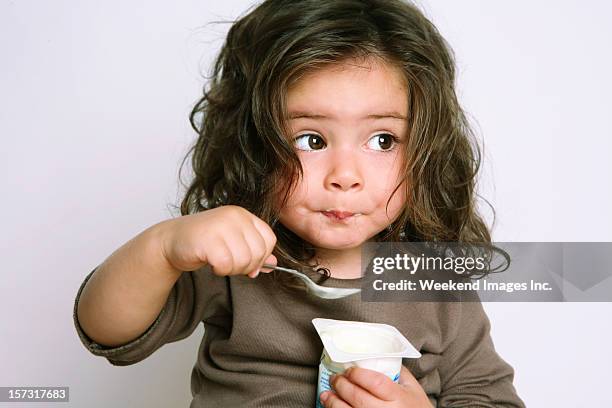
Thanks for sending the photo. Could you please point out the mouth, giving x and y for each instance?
(339, 215)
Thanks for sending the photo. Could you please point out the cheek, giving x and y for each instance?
(305, 186)
(398, 200)
(294, 193)
(395, 196)
(388, 174)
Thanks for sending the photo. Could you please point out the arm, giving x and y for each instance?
(126, 293)
(137, 300)
(472, 373)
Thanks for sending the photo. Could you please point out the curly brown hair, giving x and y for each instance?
(242, 158)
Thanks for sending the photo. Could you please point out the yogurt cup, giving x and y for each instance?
(374, 346)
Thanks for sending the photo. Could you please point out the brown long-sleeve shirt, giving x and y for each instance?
(260, 348)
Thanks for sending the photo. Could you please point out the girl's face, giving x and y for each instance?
(347, 123)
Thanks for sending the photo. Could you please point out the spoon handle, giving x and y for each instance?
(280, 268)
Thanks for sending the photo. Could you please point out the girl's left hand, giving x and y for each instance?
(362, 388)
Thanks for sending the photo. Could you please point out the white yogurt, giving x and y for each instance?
(375, 346)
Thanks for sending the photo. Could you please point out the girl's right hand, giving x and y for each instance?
(230, 239)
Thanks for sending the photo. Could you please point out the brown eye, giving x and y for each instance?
(309, 142)
(383, 141)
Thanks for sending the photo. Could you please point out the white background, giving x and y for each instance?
(94, 99)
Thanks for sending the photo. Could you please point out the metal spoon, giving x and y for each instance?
(323, 292)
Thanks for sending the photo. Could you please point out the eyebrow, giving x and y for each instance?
(313, 115)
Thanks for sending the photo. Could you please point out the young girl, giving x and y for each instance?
(327, 124)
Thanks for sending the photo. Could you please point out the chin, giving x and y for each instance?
(336, 242)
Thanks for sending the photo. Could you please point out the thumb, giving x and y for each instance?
(270, 260)
(406, 377)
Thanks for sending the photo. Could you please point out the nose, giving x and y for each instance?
(343, 172)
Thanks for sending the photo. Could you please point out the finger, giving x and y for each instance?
(413, 388)
(406, 378)
(220, 259)
(331, 400)
(353, 394)
(377, 384)
(240, 252)
(257, 247)
(271, 260)
(266, 233)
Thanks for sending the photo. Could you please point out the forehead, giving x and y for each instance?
(350, 89)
